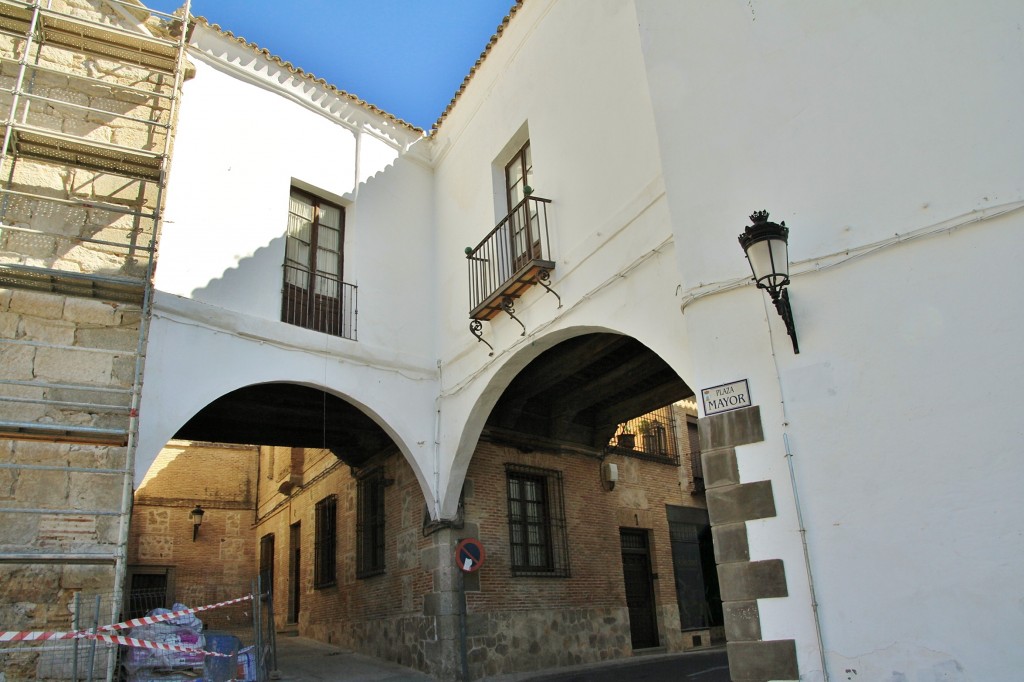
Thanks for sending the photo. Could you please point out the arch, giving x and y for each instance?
(200, 424)
(500, 381)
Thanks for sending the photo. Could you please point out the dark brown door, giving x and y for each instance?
(636, 570)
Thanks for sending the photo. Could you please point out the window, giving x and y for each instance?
(314, 295)
(536, 522)
(524, 232)
(518, 175)
(267, 564)
(324, 573)
(370, 524)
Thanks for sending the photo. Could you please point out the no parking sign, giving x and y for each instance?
(469, 555)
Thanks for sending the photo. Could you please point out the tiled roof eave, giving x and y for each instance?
(305, 75)
(472, 71)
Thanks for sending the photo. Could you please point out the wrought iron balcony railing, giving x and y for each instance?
(651, 437)
(319, 301)
(514, 256)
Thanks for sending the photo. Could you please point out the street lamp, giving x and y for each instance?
(766, 247)
(196, 517)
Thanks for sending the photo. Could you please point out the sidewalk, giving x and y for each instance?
(306, 660)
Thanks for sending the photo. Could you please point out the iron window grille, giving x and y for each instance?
(325, 572)
(370, 524)
(538, 543)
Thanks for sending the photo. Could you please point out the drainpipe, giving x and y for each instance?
(807, 557)
(799, 509)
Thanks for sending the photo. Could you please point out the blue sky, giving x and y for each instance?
(407, 57)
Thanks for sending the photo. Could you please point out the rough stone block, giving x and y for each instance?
(720, 467)
(763, 661)
(232, 547)
(136, 139)
(35, 176)
(429, 558)
(742, 502)
(123, 372)
(95, 491)
(730, 542)
(89, 259)
(37, 304)
(89, 128)
(17, 361)
(33, 245)
(59, 365)
(742, 621)
(407, 549)
(45, 118)
(94, 579)
(729, 429)
(48, 331)
(90, 311)
(743, 581)
(117, 338)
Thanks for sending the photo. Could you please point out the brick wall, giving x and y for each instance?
(513, 623)
(380, 615)
(526, 623)
(221, 562)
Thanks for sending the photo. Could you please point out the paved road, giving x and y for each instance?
(305, 660)
(703, 666)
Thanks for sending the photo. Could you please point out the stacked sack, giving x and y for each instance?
(144, 665)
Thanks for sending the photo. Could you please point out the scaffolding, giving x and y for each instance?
(89, 90)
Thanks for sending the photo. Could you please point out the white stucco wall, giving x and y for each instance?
(656, 128)
(250, 128)
(595, 157)
(855, 122)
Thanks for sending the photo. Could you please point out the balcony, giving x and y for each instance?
(513, 257)
(319, 302)
(650, 437)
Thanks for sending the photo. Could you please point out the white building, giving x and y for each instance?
(865, 512)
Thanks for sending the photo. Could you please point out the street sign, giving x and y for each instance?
(469, 555)
(726, 397)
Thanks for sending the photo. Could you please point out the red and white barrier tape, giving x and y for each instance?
(42, 636)
(147, 644)
(149, 620)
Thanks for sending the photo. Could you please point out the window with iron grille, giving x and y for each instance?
(538, 545)
(267, 563)
(370, 524)
(315, 297)
(325, 545)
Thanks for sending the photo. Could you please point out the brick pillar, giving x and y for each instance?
(730, 505)
(446, 605)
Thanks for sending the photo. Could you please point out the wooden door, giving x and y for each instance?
(636, 570)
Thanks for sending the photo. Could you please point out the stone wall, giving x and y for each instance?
(60, 355)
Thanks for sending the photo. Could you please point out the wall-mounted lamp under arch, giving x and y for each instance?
(196, 517)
